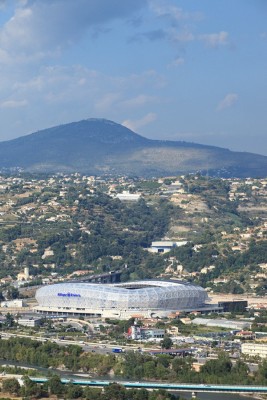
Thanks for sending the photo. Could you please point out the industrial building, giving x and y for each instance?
(123, 300)
(233, 305)
(222, 323)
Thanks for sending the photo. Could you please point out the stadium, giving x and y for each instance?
(123, 300)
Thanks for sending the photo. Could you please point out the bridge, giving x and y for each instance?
(180, 387)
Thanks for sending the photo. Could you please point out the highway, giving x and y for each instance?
(86, 346)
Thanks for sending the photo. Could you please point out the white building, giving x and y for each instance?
(13, 303)
(140, 333)
(254, 349)
(31, 322)
(123, 300)
(165, 245)
(47, 253)
(24, 276)
(127, 196)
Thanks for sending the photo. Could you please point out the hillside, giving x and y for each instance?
(99, 146)
(68, 223)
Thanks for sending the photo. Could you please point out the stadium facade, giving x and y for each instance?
(123, 300)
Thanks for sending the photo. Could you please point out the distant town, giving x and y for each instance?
(166, 273)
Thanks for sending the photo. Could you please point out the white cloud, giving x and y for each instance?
(45, 27)
(228, 101)
(215, 39)
(139, 101)
(4, 57)
(134, 125)
(107, 101)
(13, 103)
(182, 25)
(166, 10)
(65, 84)
(173, 13)
(183, 37)
(177, 62)
(60, 94)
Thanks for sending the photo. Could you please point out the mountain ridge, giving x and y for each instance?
(100, 146)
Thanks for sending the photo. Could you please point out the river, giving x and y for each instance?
(70, 375)
(217, 396)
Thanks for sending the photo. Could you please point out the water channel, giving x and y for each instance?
(217, 396)
(70, 375)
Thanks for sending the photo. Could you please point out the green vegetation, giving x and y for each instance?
(62, 224)
(110, 229)
(131, 365)
(54, 387)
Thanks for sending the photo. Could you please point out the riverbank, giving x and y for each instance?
(66, 374)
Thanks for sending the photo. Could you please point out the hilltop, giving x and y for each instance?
(100, 146)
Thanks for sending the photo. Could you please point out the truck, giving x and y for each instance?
(117, 350)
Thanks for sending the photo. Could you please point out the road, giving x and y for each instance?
(106, 348)
(86, 346)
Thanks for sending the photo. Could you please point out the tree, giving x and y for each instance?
(141, 394)
(166, 343)
(54, 385)
(74, 391)
(220, 367)
(11, 386)
(12, 293)
(30, 388)
(149, 369)
(9, 320)
(182, 365)
(262, 373)
(115, 392)
(92, 393)
(160, 394)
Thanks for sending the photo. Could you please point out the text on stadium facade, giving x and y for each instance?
(69, 294)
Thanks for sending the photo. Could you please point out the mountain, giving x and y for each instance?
(99, 146)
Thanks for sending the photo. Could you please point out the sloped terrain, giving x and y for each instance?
(99, 146)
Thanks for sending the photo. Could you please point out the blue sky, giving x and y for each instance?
(178, 70)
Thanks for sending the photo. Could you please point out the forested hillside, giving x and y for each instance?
(96, 232)
(59, 226)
